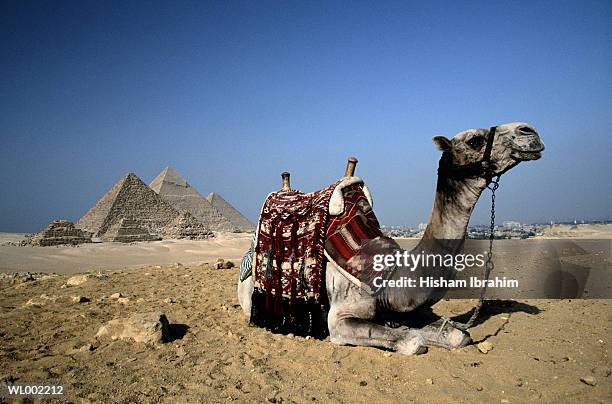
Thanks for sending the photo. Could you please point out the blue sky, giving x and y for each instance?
(233, 93)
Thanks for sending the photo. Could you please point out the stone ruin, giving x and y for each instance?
(60, 232)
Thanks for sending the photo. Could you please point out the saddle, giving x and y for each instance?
(297, 235)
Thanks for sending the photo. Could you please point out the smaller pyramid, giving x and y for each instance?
(60, 232)
(173, 188)
(237, 219)
(127, 231)
(187, 226)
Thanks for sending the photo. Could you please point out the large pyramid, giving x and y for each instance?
(177, 192)
(131, 208)
(234, 216)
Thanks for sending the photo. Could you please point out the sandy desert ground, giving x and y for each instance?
(541, 348)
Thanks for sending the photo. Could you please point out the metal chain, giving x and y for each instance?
(489, 265)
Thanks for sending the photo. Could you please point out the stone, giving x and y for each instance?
(40, 301)
(116, 295)
(77, 280)
(228, 265)
(589, 380)
(59, 232)
(123, 300)
(485, 347)
(80, 299)
(429, 381)
(148, 328)
(387, 354)
(86, 348)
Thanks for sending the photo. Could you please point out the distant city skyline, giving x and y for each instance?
(231, 94)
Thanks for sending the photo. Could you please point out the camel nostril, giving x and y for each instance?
(526, 130)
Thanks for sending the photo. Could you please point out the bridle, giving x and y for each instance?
(483, 168)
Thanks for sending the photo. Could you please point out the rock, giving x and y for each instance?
(77, 280)
(228, 265)
(429, 381)
(80, 299)
(148, 328)
(485, 347)
(123, 300)
(116, 295)
(602, 371)
(40, 301)
(363, 383)
(168, 300)
(140, 300)
(504, 401)
(86, 348)
(220, 263)
(590, 380)
(387, 354)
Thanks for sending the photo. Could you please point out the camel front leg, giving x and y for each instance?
(350, 315)
(347, 328)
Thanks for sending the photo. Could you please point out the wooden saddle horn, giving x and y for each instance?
(286, 182)
(350, 167)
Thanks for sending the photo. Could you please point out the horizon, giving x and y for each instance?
(231, 95)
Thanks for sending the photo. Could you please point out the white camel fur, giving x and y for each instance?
(351, 311)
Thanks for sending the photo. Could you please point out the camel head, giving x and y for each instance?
(465, 155)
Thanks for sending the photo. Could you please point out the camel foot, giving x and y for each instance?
(449, 337)
(411, 345)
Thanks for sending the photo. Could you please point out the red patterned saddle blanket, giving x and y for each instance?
(289, 250)
(295, 230)
(296, 236)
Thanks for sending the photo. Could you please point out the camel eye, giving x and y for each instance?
(476, 142)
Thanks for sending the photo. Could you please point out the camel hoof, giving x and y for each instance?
(458, 339)
(414, 345)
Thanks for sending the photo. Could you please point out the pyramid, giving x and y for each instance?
(129, 208)
(187, 226)
(235, 217)
(173, 188)
(128, 230)
(60, 232)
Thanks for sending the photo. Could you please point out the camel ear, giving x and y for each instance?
(442, 143)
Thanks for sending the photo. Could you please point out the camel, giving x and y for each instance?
(468, 163)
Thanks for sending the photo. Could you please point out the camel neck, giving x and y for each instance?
(454, 202)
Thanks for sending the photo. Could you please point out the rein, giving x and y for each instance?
(482, 167)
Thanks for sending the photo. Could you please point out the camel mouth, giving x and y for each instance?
(527, 155)
(527, 147)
